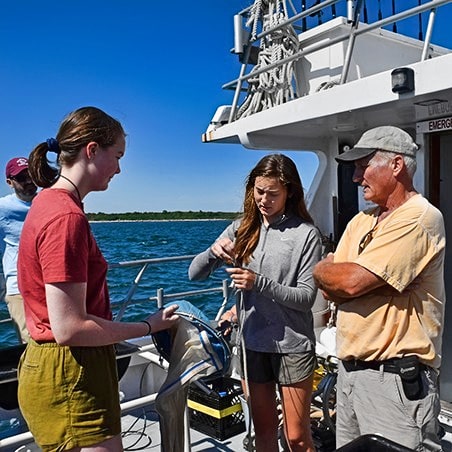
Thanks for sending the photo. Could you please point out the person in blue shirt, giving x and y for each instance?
(13, 210)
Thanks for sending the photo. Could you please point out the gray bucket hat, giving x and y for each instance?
(384, 138)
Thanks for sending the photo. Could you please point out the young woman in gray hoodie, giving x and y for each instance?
(270, 252)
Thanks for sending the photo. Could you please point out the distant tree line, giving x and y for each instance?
(164, 215)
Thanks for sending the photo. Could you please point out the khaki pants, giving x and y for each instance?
(373, 402)
(15, 304)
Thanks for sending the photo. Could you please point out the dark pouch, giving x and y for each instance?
(410, 374)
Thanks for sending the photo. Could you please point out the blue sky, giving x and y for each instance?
(156, 66)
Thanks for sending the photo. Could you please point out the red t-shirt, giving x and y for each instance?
(57, 245)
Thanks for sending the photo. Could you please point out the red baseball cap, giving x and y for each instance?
(16, 166)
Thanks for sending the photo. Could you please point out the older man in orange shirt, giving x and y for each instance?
(386, 278)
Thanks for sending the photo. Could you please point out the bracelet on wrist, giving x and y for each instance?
(149, 327)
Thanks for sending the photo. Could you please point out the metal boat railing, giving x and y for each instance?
(161, 297)
(145, 351)
(353, 8)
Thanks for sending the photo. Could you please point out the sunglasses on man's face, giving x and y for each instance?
(21, 177)
(365, 241)
(367, 238)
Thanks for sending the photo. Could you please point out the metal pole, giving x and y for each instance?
(238, 88)
(187, 439)
(350, 10)
(160, 298)
(351, 43)
(428, 33)
(131, 293)
(225, 299)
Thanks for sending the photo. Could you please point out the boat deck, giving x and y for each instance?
(140, 421)
(141, 433)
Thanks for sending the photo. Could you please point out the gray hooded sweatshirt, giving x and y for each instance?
(277, 316)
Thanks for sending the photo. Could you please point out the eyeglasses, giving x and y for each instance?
(21, 177)
(366, 240)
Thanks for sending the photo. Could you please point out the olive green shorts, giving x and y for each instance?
(69, 396)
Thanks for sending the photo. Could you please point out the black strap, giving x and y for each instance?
(390, 365)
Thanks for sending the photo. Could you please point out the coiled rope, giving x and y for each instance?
(275, 86)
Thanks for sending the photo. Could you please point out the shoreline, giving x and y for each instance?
(155, 221)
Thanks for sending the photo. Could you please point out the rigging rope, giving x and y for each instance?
(275, 86)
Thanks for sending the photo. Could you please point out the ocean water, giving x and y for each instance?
(128, 241)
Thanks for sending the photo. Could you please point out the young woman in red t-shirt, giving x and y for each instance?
(68, 370)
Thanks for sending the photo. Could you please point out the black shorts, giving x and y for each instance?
(282, 368)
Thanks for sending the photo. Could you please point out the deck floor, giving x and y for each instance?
(141, 433)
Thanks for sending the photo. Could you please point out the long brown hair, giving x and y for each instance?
(80, 127)
(277, 166)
